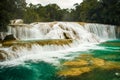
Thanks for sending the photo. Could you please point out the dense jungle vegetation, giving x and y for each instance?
(96, 11)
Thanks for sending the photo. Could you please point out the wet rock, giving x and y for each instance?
(29, 43)
(3, 55)
(0, 40)
(9, 38)
(67, 36)
(118, 32)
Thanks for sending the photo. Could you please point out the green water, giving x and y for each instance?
(40, 70)
(29, 71)
(110, 52)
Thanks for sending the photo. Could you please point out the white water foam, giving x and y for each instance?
(51, 54)
(83, 38)
(58, 30)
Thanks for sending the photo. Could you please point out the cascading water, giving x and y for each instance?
(103, 31)
(2, 35)
(42, 31)
(60, 30)
(89, 33)
(40, 49)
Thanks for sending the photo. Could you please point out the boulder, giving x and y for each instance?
(9, 38)
(67, 36)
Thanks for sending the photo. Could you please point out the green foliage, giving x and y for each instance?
(10, 9)
(110, 11)
(98, 11)
(30, 14)
(35, 13)
(3, 13)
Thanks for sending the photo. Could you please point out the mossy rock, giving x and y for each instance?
(39, 42)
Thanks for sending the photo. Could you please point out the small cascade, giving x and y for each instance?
(24, 32)
(101, 30)
(28, 49)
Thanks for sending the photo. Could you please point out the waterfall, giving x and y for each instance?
(53, 30)
(2, 35)
(101, 30)
(29, 38)
(30, 35)
(25, 50)
(118, 32)
(63, 30)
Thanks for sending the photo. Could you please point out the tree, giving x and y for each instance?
(4, 14)
(30, 14)
(53, 11)
(100, 11)
(10, 9)
(110, 11)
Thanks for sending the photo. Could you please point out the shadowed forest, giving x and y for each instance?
(95, 11)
